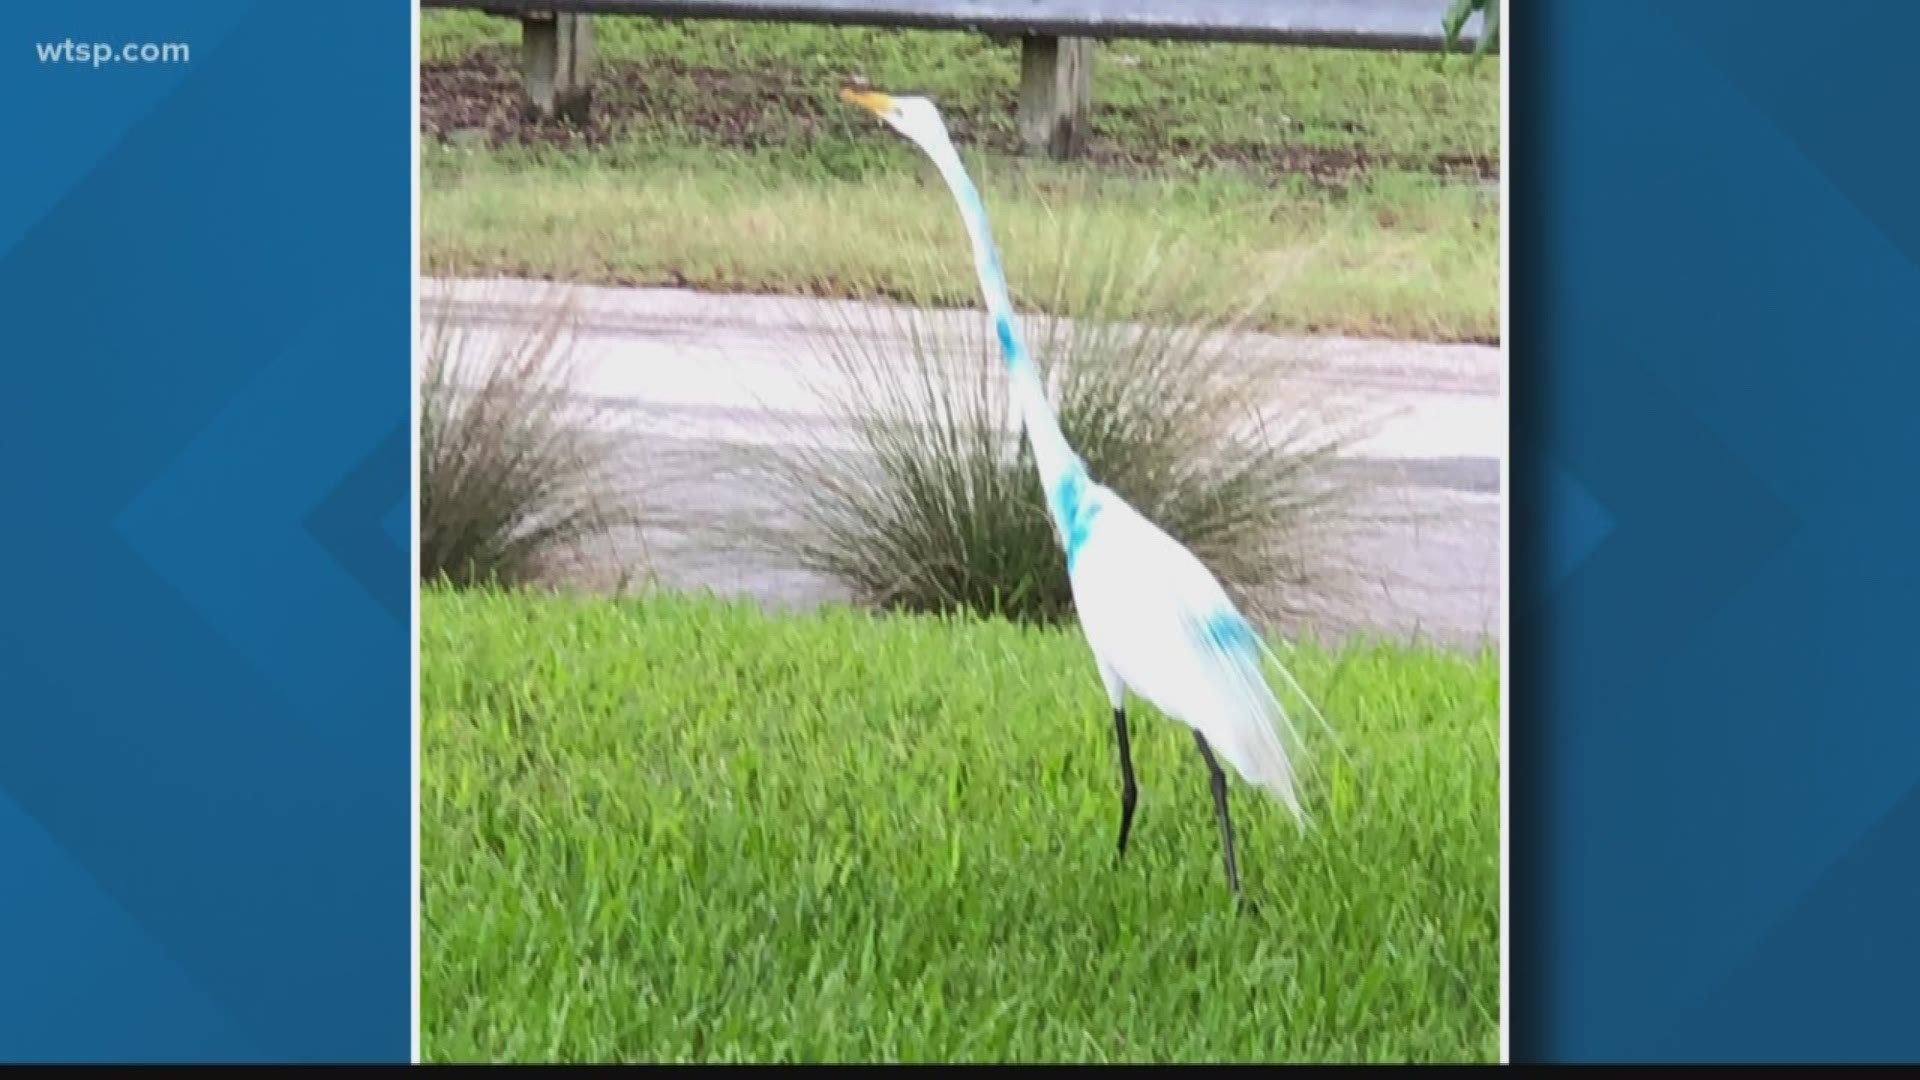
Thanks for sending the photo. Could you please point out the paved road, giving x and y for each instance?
(694, 373)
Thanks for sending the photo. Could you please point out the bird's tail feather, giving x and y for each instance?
(1259, 738)
(1276, 754)
(1305, 698)
(1268, 750)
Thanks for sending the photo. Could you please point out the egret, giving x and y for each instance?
(1157, 620)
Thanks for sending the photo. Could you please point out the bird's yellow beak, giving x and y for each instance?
(876, 103)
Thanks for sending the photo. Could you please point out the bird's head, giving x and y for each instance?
(915, 117)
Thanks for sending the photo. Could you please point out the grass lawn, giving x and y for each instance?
(718, 156)
(681, 829)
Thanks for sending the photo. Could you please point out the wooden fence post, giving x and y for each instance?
(1056, 95)
(556, 55)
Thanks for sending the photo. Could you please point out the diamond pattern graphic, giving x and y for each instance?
(398, 523)
(1712, 794)
(1877, 175)
(169, 1014)
(311, 527)
(355, 523)
(1872, 884)
(98, 104)
(204, 770)
(1578, 522)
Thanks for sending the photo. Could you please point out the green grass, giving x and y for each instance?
(719, 157)
(681, 829)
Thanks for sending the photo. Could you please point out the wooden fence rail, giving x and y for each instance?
(1057, 38)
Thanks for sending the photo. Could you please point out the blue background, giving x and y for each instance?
(205, 746)
(205, 472)
(1715, 735)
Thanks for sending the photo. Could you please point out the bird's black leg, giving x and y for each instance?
(1128, 793)
(1220, 808)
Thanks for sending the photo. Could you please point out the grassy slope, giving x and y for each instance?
(681, 829)
(719, 157)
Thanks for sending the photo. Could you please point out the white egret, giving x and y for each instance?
(1157, 620)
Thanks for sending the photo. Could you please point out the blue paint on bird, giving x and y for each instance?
(970, 199)
(994, 271)
(1066, 494)
(1076, 512)
(1228, 632)
(975, 212)
(996, 278)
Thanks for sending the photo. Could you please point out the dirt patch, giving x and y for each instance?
(478, 100)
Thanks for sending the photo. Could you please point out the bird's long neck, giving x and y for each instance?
(1059, 466)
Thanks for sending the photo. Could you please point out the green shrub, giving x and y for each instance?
(923, 496)
(517, 473)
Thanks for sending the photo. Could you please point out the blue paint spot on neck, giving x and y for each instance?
(1074, 511)
(994, 271)
(1004, 327)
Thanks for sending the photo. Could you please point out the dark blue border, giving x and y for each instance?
(203, 454)
(205, 746)
(1715, 745)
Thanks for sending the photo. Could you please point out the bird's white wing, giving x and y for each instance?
(1156, 616)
